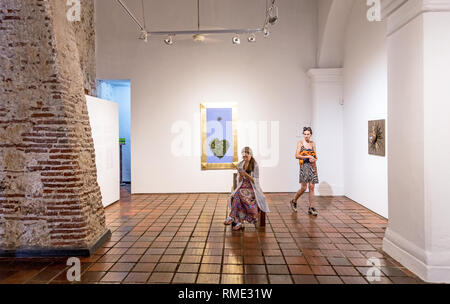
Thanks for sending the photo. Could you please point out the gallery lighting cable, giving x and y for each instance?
(199, 35)
(127, 10)
(144, 32)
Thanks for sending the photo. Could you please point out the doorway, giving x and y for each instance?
(119, 91)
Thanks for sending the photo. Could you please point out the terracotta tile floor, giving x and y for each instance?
(180, 238)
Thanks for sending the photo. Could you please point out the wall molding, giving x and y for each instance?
(326, 75)
(417, 260)
(399, 13)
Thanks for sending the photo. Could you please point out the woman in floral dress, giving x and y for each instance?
(248, 198)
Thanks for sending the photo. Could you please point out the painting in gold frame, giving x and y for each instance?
(219, 136)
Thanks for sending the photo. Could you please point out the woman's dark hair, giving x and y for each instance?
(307, 129)
(252, 163)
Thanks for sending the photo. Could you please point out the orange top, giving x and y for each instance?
(308, 153)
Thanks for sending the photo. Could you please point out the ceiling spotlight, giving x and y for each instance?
(266, 32)
(236, 40)
(168, 40)
(273, 14)
(199, 38)
(252, 38)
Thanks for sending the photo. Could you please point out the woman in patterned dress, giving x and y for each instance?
(307, 155)
(248, 198)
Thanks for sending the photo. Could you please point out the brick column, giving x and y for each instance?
(50, 202)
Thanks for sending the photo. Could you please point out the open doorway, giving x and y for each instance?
(119, 90)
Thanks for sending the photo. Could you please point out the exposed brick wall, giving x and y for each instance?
(85, 38)
(49, 196)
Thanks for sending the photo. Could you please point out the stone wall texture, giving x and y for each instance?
(85, 38)
(49, 196)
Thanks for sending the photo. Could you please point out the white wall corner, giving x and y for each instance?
(398, 13)
(428, 267)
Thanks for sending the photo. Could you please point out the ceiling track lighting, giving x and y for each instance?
(199, 35)
(273, 14)
(168, 40)
(144, 36)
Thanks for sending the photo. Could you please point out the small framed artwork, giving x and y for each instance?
(377, 137)
(219, 136)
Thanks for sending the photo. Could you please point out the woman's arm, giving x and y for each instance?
(249, 177)
(240, 173)
(255, 174)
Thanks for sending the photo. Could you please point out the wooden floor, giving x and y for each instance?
(180, 238)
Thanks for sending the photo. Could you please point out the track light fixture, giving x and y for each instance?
(199, 34)
(168, 40)
(252, 38)
(273, 14)
(198, 38)
(144, 36)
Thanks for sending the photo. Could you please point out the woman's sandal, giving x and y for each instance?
(238, 226)
(312, 211)
(228, 221)
(293, 205)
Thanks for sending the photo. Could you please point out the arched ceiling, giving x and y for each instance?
(333, 18)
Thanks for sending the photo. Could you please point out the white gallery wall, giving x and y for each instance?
(327, 117)
(418, 231)
(104, 121)
(365, 98)
(267, 79)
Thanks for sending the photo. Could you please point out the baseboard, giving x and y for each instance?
(57, 252)
(414, 258)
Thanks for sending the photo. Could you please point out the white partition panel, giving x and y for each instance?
(104, 120)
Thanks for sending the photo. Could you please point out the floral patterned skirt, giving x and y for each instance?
(243, 204)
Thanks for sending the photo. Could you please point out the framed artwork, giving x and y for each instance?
(219, 136)
(377, 137)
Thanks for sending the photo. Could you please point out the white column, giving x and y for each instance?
(418, 234)
(327, 124)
